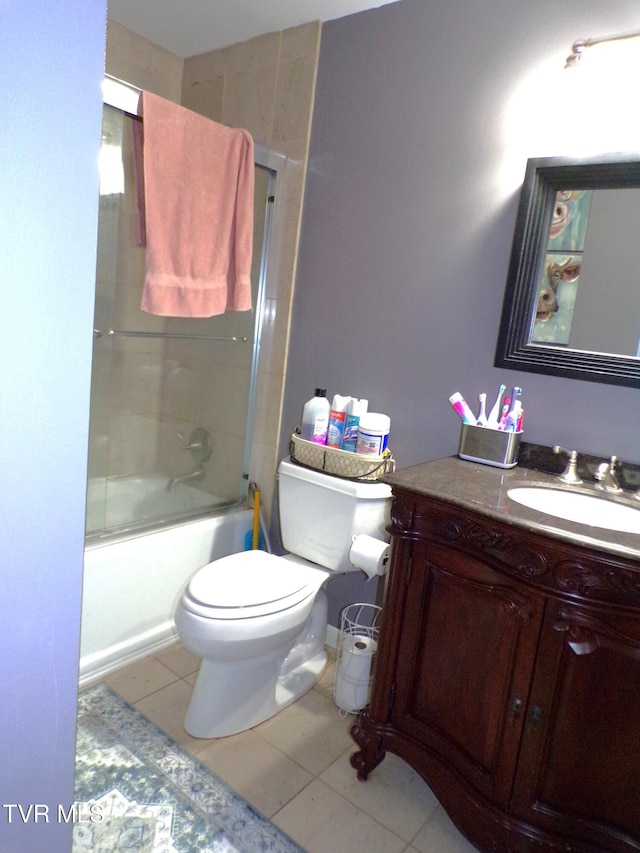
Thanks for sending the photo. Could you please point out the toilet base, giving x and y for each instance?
(299, 681)
(233, 696)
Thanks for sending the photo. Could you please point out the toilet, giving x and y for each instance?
(259, 621)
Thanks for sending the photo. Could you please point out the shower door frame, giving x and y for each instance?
(125, 97)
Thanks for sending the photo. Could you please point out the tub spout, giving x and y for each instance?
(191, 477)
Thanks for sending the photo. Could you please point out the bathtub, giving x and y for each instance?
(131, 586)
(140, 497)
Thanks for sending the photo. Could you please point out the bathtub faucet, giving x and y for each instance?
(191, 477)
(199, 444)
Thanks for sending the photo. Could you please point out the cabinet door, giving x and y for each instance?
(578, 770)
(464, 667)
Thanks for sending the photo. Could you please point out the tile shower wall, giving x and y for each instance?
(267, 86)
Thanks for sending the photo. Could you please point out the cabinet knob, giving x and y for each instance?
(534, 717)
(515, 706)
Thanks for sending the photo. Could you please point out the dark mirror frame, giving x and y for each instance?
(543, 178)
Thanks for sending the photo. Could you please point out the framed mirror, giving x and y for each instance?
(572, 300)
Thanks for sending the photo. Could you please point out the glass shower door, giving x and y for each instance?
(158, 383)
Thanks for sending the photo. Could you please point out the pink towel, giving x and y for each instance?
(198, 200)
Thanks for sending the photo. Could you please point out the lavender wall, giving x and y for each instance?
(424, 117)
(52, 65)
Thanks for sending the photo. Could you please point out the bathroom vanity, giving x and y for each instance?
(508, 664)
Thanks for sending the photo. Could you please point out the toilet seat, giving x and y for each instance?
(246, 585)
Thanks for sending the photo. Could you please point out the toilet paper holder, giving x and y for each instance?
(369, 554)
(355, 653)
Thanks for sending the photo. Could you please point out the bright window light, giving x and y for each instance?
(111, 170)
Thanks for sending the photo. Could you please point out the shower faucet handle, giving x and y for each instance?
(192, 444)
(199, 444)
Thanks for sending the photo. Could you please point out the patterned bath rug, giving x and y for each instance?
(137, 791)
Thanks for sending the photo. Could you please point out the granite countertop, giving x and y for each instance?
(483, 488)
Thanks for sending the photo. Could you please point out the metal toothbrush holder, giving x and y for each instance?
(489, 446)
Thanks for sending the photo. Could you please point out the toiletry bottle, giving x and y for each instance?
(356, 409)
(373, 434)
(461, 406)
(315, 417)
(337, 417)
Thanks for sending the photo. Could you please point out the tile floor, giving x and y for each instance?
(295, 769)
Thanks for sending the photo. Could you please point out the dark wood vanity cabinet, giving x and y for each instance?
(508, 676)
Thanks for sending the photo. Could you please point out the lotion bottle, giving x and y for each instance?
(315, 418)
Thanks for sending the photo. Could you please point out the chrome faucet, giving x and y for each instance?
(607, 477)
(191, 477)
(570, 473)
(199, 443)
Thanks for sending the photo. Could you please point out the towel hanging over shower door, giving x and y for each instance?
(198, 180)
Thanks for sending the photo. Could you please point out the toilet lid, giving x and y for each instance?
(250, 579)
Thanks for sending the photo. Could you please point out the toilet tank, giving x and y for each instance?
(319, 514)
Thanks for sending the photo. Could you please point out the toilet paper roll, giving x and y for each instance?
(353, 671)
(369, 554)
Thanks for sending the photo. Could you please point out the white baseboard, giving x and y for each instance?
(332, 636)
(106, 663)
(103, 664)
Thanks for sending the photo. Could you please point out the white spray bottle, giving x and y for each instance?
(337, 418)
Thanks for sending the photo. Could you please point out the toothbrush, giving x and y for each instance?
(481, 420)
(515, 393)
(511, 420)
(494, 414)
(504, 413)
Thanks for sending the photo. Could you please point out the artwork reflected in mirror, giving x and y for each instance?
(572, 301)
(563, 260)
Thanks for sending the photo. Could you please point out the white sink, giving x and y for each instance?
(575, 506)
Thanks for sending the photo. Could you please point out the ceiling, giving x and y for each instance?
(190, 27)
